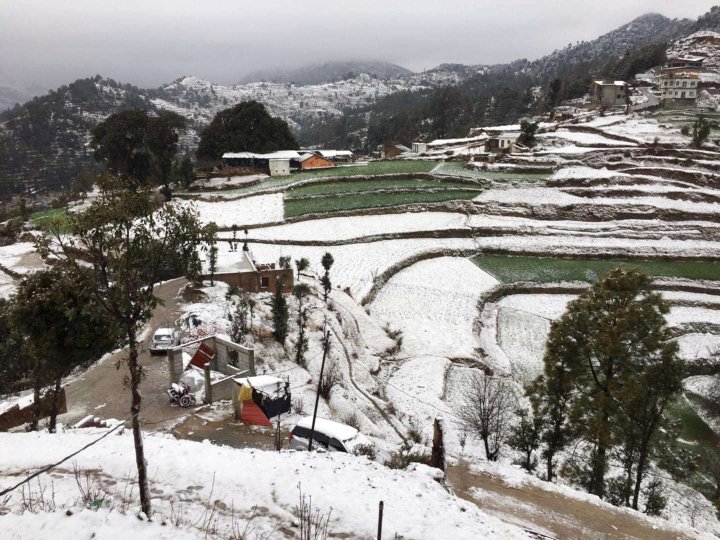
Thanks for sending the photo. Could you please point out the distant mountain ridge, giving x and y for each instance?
(44, 143)
(327, 72)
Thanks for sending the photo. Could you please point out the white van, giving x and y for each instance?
(328, 435)
(163, 339)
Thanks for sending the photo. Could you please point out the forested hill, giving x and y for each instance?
(327, 72)
(44, 143)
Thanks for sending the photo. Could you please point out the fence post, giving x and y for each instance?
(381, 506)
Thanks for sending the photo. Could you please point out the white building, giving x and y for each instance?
(678, 88)
(419, 147)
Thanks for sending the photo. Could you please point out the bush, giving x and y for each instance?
(353, 419)
(331, 378)
(685, 130)
(655, 499)
(367, 450)
(405, 456)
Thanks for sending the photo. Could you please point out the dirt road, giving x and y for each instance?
(101, 390)
(550, 513)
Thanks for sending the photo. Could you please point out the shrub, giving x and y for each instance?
(331, 378)
(367, 450)
(405, 456)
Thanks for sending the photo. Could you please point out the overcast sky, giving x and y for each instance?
(46, 43)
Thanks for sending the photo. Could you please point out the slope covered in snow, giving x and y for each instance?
(188, 477)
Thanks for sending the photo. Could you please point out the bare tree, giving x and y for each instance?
(487, 409)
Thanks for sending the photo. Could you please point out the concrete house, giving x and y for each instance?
(679, 89)
(608, 93)
(419, 147)
(274, 163)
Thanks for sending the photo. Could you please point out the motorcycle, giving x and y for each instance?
(180, 395)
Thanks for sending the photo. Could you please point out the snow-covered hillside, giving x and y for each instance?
(256, 488)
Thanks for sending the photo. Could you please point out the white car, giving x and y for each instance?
(163, 339)
(328, 435)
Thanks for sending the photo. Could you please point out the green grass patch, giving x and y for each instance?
(547, 269)
(299, 207)
(39, 219)
(358, 186)
(372, 168)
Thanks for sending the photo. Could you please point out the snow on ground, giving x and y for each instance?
(697, 346)
(584, 172)
(10, 256)
(707, 386)
(641, 128)
(189, 474)
(522, 328)
(558, 197)
(7, 285)
(681, 315)
(343, 228)
(247, 211)
(434, 302)
(582, 138)
(356, 266)
(85, 523)
(566, 244)
(220, 182)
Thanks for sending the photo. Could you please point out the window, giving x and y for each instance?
(233, 358)
(682, 95)
(264, 282)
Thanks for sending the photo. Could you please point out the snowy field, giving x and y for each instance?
(558, 197)
(188, 474)
(356, 265)
(247, 211)
(343, 228)
(434, 303)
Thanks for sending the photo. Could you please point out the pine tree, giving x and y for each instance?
(525, 437)
(280, 312)
(301, 292)
(66, 326)
(612, 354)
(700, 131)
(211, 235)
(327, 262)
(301, 265)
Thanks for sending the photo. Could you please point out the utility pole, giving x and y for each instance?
(326, 349)
(381, 506)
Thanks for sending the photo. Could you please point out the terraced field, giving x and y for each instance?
(299, 207)
(377, 185)
(457, 168)
(545, 270)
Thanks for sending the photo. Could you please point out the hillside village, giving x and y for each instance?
(357, 300)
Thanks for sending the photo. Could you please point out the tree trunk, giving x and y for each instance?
(549, 461)
(37, 386)
(487, 449)
(54, 409)
(642, 460)
(597, 478)
(135, 378)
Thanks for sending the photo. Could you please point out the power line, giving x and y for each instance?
(63, 460)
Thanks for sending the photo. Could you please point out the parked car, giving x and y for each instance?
(163, 339)
(328, 435)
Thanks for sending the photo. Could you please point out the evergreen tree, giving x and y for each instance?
(66, 326)
(301, 292)
(280, 313)
(525, 437)
(284, 262)
(137, 147)
(246, 127)
(613, 354)
(16, 360)
(700, 131)
(301, 265)
(327, 262)
(127, 239)
(211, 238)
(528, 130)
